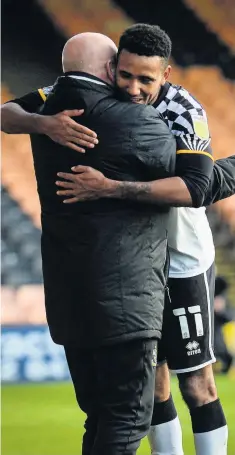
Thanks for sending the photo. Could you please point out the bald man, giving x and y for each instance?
(93, 52)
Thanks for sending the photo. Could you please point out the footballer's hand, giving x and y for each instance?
(61, 128)
(84, 184)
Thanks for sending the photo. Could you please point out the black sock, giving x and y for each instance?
(163, 412)
(208, 417)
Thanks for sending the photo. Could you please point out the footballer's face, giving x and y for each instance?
(140, 78)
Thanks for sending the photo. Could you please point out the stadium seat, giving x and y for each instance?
(218, 15)
(76, 17)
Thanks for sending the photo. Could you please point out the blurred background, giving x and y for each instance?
(39, 413)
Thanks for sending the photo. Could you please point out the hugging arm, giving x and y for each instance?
(222, 183)
(20, 116)
(187, 188)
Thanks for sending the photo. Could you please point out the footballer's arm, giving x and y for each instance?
(188, 188)
(222, 184)
(20, 116)
(194, 166)
(92, 184)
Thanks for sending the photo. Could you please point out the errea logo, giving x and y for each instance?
(193, 348)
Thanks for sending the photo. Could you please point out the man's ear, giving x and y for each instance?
(111, 69)
(166, 74)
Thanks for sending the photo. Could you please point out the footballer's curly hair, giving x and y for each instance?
(145, 39)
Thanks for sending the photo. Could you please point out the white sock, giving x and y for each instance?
(210, 429)
(166, 438)
(212, 443)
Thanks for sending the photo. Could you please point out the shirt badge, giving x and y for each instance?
(200, 126)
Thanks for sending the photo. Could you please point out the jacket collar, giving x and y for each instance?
(85, 77)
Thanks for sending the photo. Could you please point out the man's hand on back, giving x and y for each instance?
(89, 184)
(85, 184)
(61, 128)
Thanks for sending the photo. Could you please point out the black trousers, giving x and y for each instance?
(114, 386)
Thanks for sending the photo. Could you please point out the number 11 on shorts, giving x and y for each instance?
(181, 314)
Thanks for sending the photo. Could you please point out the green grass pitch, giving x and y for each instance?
(44, 419)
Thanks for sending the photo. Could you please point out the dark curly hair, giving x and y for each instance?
(145, 39)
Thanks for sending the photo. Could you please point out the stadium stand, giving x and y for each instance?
(225, 248)
(73, 17)
(21, 256)
(218, 15)
(21, 272)
(22, 294)
(17, 170)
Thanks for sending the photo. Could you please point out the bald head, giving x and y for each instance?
(90, 53)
